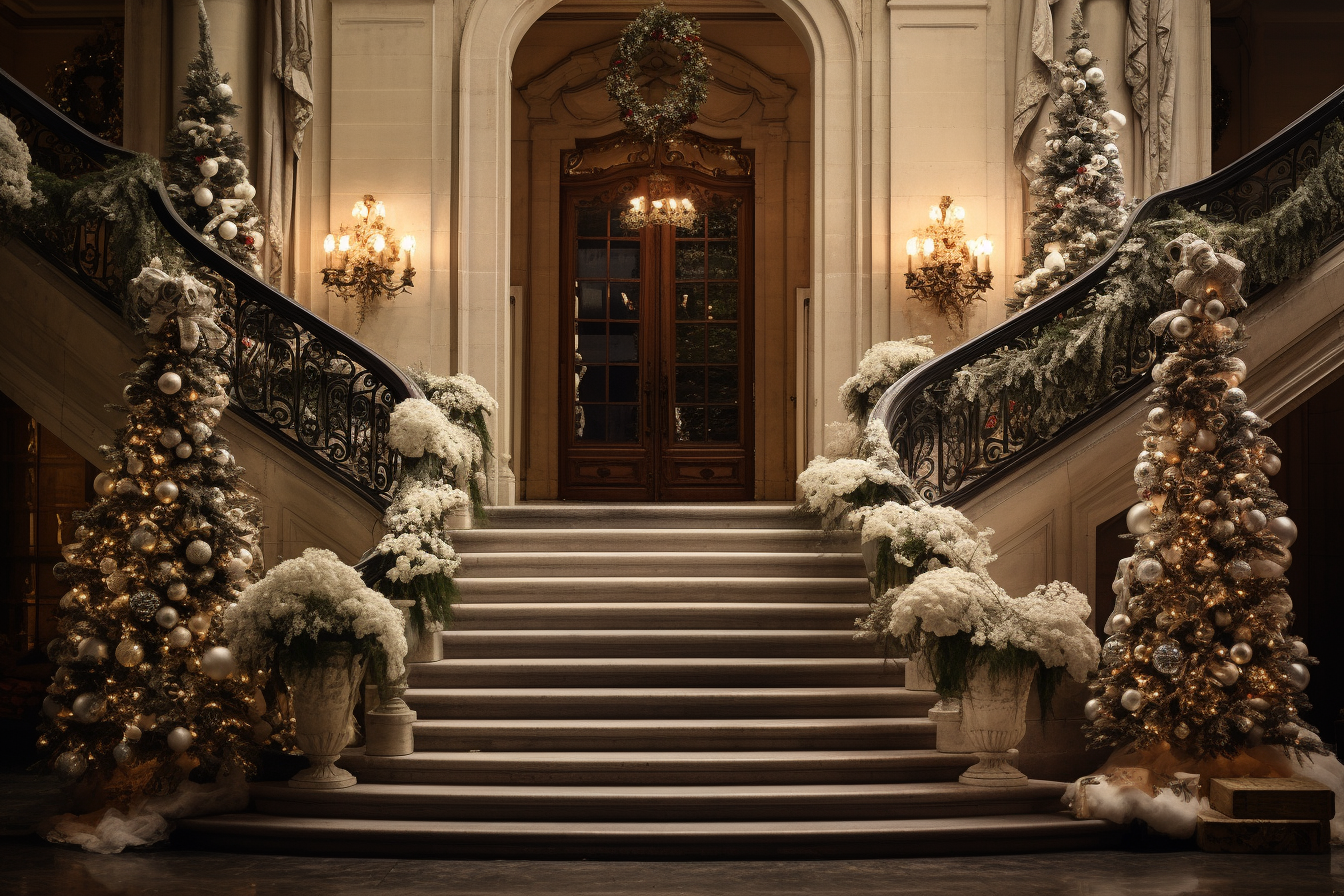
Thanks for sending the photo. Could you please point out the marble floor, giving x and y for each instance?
(30, 867)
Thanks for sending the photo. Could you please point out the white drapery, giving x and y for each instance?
(1151, 76)
(1035, 55)
(286, 110)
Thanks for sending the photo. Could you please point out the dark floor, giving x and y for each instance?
(29, 867)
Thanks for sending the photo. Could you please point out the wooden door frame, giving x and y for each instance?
(636, 482)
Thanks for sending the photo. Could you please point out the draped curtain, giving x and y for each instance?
(1151, 75)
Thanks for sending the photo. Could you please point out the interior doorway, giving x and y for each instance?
(657, 340)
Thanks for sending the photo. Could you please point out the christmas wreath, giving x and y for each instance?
(658, 24)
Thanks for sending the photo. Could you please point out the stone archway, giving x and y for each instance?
(839, 227)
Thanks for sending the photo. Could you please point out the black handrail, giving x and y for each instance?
(318, 390)
(948, 457)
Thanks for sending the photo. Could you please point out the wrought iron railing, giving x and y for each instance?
(954, 449)
(316, 389)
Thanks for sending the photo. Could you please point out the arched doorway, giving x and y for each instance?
(834, 239)
(661, 323)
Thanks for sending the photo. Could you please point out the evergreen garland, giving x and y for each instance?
(1079, 182)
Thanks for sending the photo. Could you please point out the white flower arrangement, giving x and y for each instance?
(925, 534)
(16, 191)
(459, 392)
(415, 559)
(315, 597)
(465, 403)
(417, 555)
(417, 427)
(881, 367)
(833, 487)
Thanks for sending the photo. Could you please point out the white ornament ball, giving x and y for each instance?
(1226, 674)
(1284, 529)
(1271, 464)
(1120, 623)
(187, 124)
(177, 591)
(1131, 700)
(88, 708)
(209, 168)
(1094, 76)
(1159, 418)
(166, 491)
(122, 753)
(180, 739)
(1206, 441)
(1054, 262)
(103, 484)
(166, 617)
(183, 450)
(93, 649)
(1149, 570)
(1092, 709)
(223, 91)
(1253, 520)
(244, 191)
(218, 663)
(1083, 56)
(203, 196)
(1299, 676)
(1114, 120)
(130, 653)
(257, 239)
(228, 230)
(70, 765)
(179, 638)
(199, 552)
(1139, 519)
(132, 733)
(1240, 653)
(200, 623)
(127, 487)
(237, 569)
(170, 437)
(1181, 327)
(246, 556)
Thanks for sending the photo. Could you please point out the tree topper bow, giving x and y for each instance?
(157, 297)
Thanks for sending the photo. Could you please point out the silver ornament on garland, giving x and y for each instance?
(179, 638)
(170, 437)
(218, 663)
(166, 617)
(170, 383)
(103, 484)
(199, 552)
(130, 653)
(71, 765)
(166, 491)
(180, 739)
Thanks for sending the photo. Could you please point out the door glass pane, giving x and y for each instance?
(722, 343)
(624, 260)
(722, 301)
(690, 301)
(623, 423)
(690, 384)
(695, 230)
(624, 383)
(722, 424)
(722, 260)
(592, 258)
(624, 343)
(617, 229)
(590, 422)
(723, 223)
(592, 222)
(689, 424)
(592, 300)
(691, 343)
(690, 260)
(722, 385)
(592, 342)
(593, 386)
(625, 301)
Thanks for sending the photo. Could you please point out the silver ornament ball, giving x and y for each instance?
(218, 663)
(94, 649)
(166, 491)
(1240, 653)
(130, 653)
(1131, 700)
(166, 617)
(170, 437)
(1149, 570)
(1271, 464)
(103, 484)
(200, 623)
(1181, 327)
(70, 765)
(180, 739)
(170, 383)
(1226, 674)
(88, 708)
(199, 552)
(183, 450)
(179, 638)
(1298, 675)
(1092, 709)
(1139, 519)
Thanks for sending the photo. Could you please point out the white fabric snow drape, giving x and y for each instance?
(1152, 77)
(286, 110)
(1035, 55)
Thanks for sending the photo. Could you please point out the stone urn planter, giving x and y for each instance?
(459, 519)
(993, 720)
(324, 696)
(427, 646)
(917, 675)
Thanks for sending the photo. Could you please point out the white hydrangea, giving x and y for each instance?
(944, 532)
(306, 597)
(881, 367)
(1050, 622)
(828, 485)
(417, 427)
(459, 392)
(419, 506)
(418, 554)
(16, 191)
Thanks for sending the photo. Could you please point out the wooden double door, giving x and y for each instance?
(656, 353)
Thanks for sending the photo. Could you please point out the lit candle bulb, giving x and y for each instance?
(379, 244)
(911, 250)
(987, 249)
(329, 246)
(934, 214)
(928, 247)
(344, 245)
(657, 203)
(379, 209)
(354, 212)
(408, 246)
(960, 213)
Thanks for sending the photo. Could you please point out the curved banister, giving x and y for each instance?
(317, 389)
(949, 457)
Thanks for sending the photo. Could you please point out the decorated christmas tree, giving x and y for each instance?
(1078, 182)
(207, 162)
(1201, 658)
(145, 693)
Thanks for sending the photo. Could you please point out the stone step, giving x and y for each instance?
(654, 615)
(672, 672)
(697, 589)
(717, 803)
(668, 703)
(572, 515)
(483, 541)
(667, 643)
(661, 563)
(527, 735)
(648, 769)
(322, 835)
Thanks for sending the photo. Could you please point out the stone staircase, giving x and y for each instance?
(628, 681)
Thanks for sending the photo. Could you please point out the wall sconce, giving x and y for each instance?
(952, 271)
(361, 263)
(661, 207)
